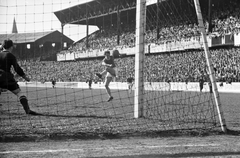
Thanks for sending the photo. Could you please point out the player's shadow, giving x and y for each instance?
(177, 155)
(76, 116)
(233, 132)
(68, 116)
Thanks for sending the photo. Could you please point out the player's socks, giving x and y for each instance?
(24, 102)
(109, 99)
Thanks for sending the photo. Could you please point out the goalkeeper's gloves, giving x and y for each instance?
(25, 77)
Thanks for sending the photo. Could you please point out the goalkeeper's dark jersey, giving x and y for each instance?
(7, 60)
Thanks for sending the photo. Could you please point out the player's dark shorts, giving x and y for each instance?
(7, 81)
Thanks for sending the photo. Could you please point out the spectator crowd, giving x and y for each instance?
(174, 25)
(173, 66)
(169, 66)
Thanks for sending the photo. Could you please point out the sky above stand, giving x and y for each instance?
(38, 16)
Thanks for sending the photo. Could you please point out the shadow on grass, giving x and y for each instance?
(233, 132)
(191, 154)
(74, 116)
(66, 116)
(94, 135)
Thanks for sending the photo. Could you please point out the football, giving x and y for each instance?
(115, 53)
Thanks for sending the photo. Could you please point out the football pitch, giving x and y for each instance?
(84, 113)
(66, 114)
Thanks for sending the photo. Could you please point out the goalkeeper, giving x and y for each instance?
(7, 81)
(109, 72)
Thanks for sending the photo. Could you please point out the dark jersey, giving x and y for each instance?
(202, 79)
(110, 61)
(53, 82)
(7, 81)
(130, 79)
(7, 60)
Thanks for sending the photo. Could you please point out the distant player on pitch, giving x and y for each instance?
(130, 81)
(109, 73)
(89, 81)
(7, 81)
(53, 83)
(201, 80)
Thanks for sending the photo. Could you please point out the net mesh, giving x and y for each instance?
(173, 62)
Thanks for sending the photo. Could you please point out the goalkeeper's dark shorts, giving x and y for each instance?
(7, 81)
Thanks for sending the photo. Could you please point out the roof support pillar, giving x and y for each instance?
(87, 27)
(118, 25)
(62, 28)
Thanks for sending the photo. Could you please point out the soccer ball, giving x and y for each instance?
(115, 53)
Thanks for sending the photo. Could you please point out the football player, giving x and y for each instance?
(7, 81)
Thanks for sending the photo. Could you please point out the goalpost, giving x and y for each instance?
(139, 58)
(139, 61)
(209, 64)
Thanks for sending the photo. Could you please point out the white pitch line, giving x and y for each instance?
(188, 145)
(82, 150)
(39, 151)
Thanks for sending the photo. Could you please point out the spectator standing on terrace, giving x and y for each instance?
(7, 81)
(109, 72)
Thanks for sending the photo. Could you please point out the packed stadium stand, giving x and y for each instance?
(225, 20)
(225, 61)
(114, 34)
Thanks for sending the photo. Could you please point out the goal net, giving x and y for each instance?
(65, 42)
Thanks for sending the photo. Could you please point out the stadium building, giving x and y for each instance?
(37, 45)
(116, 20)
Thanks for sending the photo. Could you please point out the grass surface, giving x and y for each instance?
(84, 113)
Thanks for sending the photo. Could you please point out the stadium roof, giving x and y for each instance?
(53, 36)
(95, 8)
(100, 11)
